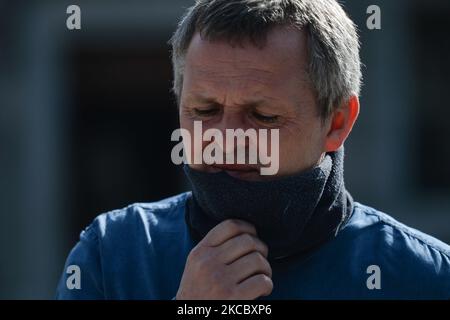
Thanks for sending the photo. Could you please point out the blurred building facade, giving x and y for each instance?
(86, 118)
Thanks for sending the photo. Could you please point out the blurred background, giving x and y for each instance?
(86, 118)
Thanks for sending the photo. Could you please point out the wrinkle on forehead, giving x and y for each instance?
(286, 49)
(276, 72)
(217, 70)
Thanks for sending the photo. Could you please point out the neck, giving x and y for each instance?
(292, 214)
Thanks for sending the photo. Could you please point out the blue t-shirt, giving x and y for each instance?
(139, 252)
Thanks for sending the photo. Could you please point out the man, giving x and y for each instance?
(290, 65)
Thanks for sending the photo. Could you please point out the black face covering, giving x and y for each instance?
(291, 214)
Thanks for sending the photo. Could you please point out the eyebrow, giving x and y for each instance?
(249, 103)
(201, 98)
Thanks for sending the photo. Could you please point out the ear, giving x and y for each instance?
(341, 124)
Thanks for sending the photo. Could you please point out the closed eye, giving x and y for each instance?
(264, 118)
(206, 112)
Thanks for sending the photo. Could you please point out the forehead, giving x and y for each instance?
(283, 57)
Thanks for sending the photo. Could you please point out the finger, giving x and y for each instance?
(259, 285)
(249, 265)
(226, 230)
(239, 246)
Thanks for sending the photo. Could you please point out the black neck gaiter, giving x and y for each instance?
(291, 214)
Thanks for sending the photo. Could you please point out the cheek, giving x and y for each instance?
(188, 124)
(292, 151)
(185, 122)
(300, 147)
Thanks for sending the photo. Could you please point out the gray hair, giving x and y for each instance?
(334, 65)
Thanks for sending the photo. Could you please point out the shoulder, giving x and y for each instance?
(164, 215)
(408, 258)
(119, 252)
(375, 223)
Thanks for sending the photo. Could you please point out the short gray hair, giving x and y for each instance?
(334, 65)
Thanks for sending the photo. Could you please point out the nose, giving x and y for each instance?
(232, 123)
(232, 118)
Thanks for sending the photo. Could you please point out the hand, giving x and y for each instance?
(230, 262)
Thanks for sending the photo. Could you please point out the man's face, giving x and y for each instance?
(246, 87)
